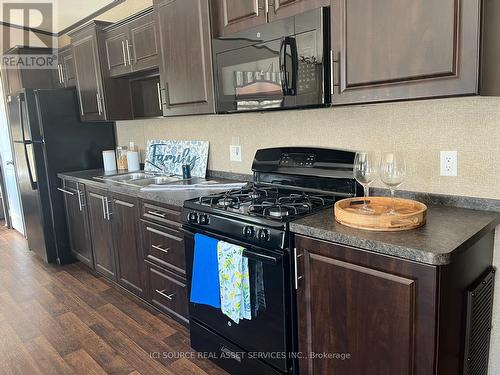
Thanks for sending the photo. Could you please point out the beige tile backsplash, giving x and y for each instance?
(419, 128)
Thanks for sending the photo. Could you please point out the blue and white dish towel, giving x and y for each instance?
(234, 281)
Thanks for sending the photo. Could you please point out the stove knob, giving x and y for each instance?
(264, 235)
(203, 219)
(193, 218)
(249, 231)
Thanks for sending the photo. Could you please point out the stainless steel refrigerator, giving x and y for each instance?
(49, 138)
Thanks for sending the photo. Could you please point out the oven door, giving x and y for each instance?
(268, 332)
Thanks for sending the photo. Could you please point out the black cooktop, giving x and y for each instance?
(268, 202)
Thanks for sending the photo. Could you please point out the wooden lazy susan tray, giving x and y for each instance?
(410, 214)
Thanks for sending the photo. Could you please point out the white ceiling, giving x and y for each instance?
(67, 13)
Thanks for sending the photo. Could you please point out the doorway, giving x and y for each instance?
(10, 189)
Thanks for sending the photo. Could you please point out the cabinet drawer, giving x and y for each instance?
(163, 246)
(161, 215)
(168, 292)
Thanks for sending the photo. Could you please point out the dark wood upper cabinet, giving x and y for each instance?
(287, 8)
(101, 232)
(77, 221)
(231, 16)
(66, 76)
(186, 73)
(404, 49)
(490, 54)
(115, 42)
(143, 45)
(379, 310)
(128, 250)
(131, 45)
(101, 97)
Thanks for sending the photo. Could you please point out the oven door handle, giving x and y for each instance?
(264, 258)
(260, 257)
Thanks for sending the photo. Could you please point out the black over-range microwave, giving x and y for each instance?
(280, 65)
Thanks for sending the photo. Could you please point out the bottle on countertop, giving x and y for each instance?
(133, 158)
(121, 158)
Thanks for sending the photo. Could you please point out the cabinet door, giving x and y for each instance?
(379, 311)
(143, 44)
(88, 78)
(68, 66)
(236, 15)
(101, 232)
(115, 44)
(404, 49)
(186, 73)
(289, 8)
(77, 220)
(128, 251)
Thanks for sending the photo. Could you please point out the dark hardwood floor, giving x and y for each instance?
(67, 320)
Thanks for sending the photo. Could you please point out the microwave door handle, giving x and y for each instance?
(292, 42)
(282, 62)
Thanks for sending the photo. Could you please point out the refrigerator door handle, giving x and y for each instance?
(34, 185)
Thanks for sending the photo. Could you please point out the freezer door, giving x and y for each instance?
(29, 161)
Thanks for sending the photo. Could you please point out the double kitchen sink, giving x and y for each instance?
(140, 179)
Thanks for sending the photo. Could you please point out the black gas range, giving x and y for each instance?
(289, 183)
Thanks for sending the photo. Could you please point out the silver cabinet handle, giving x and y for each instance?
(159, 96)
(296, 267)
(104, 208)
(331, 73)
(80, 203)
(167, 296)
(66, 191)
(59, 73)
(158, 247)
(98, 97)
(158, 214)
(122, 203)
(106, 203)
(10, 162)
(124, 57)
(128, 52)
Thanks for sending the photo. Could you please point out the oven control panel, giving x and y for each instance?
(297, 160)
(247, 232)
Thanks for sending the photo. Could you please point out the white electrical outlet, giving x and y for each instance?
(235, 153)
(449, 163)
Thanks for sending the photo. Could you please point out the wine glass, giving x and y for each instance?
(365, 172)
(392, 173)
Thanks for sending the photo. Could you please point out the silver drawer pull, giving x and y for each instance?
(66, 191)
(158, 247)
(156, 213)
(167, 296)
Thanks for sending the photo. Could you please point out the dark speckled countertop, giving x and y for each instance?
(175, 198)
(448, 230)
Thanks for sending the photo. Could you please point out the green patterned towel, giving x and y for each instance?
(234, 281)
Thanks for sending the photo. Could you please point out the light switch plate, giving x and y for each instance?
(449, 163)
(235, 153)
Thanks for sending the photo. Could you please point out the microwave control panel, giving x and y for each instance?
(297, 160)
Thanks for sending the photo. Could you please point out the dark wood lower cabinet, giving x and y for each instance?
(101, 232)
(375, 314)
(126, 240)
(77, 221)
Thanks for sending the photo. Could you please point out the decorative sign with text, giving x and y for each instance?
(169, 157)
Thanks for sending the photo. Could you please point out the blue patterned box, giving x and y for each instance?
(171, 155)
